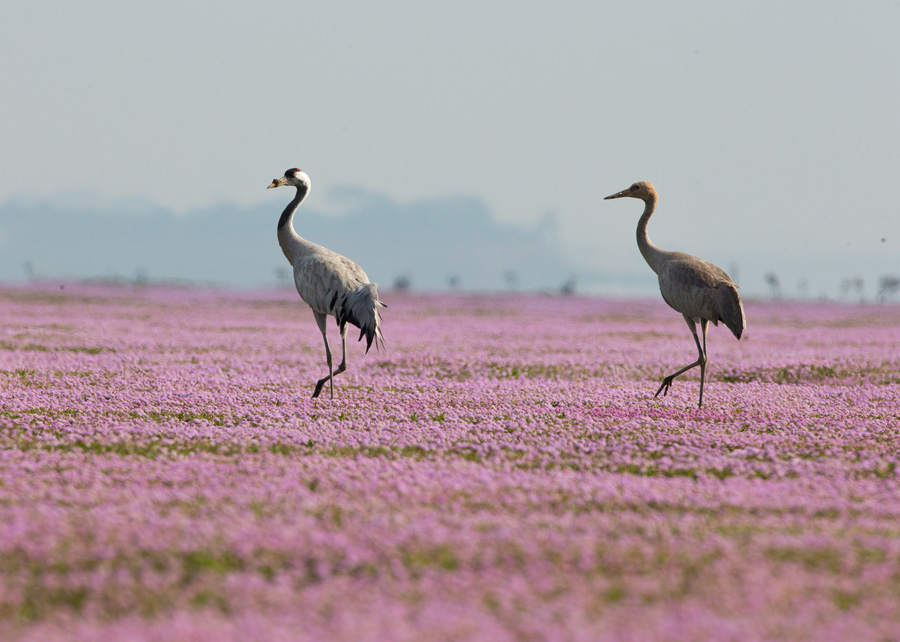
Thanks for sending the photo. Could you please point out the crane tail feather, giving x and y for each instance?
(730, 309)
(359, 307)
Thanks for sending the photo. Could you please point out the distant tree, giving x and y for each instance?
(853, 287)
(803, 288)
(888, 286)
(774, 285)
(402, 283)
(453, 281)
(512, 279)
(283, 276)
(568, 286)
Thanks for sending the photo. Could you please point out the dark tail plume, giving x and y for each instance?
(730, 308)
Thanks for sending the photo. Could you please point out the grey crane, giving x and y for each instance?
(331, 284)
(696, 288)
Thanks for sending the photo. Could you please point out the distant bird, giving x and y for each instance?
(331, 284)
(696, 288)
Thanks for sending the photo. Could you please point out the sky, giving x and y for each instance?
(770, 129)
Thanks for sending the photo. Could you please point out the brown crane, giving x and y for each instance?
(696, 288)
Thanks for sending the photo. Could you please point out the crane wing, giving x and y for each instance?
(334, 285)
(691, 286)
(321, 276)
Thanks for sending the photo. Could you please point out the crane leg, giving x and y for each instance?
(333, 373)
(701, 360)
(320, 320)
(704, 326)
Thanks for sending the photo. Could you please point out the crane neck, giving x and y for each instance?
(288, 238)
(652, 254)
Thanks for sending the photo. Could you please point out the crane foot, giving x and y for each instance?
(664, 388)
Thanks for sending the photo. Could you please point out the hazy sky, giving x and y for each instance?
(770, 129)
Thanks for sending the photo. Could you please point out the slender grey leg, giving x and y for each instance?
(704, 325)
(320, 320)
(701, 359)
(343, 365)
(341, 368)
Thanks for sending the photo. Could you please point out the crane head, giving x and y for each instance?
(294, 176)
(642, 190)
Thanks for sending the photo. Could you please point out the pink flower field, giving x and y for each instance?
(501, 472)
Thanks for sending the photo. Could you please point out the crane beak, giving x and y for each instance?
(275, 183)
(624, 192)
